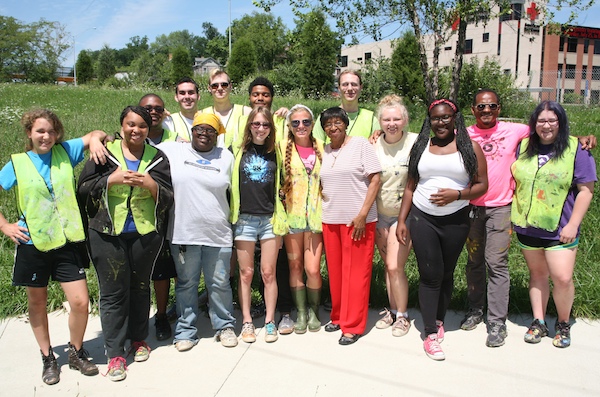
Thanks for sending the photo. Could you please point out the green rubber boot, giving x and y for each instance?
(299, 297)
(314, 299)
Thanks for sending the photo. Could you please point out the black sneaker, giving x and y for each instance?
(258, 310)
(536, 332)
(472, 318)
(163, 327)
(562, 338)
(496, 334)
(50, 372)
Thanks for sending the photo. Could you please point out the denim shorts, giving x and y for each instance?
(298, 230)
(253, 227)
(385, 222)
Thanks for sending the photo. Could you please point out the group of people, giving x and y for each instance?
(197, 192)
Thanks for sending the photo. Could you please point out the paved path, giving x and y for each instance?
(314, 364)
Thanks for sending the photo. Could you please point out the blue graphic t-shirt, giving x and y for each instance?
(257, 181)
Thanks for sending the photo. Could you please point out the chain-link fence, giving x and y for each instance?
(576, 86)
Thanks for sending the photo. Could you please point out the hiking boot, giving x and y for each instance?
(227, 337)
(401, 326)
(142, 351)
(248, 333)
(432, 348)
(472, 318)
(536, 332)
(50, 373)
(116, 369)
(270, 332)
(163, 328)
(387, 320)
(496, 334)
(286, 325)
(79, 360)
(440, 331)
(562, 338)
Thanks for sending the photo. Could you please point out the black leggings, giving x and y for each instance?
(437, 243)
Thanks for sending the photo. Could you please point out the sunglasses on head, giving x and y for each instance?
(215, 86)
(305, 122)
(157, 109)
(481, 106)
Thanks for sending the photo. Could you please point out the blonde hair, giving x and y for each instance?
(31, 116)
(392, 101)
(217, 72)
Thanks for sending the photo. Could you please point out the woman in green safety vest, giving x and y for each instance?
(49, 229)
(554, 188)
(126, 201)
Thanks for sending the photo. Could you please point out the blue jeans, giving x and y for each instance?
(190, 260)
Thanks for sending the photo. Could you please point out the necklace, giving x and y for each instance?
(339, 151)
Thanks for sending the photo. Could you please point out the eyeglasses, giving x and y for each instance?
(551, 122)
(444, 119)
(204, 130)
(337, 123)
(482, 106)
(157, 109)
(258, 124)
(305, 122)
(215, 86)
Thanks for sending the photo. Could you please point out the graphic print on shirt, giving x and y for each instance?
(257, 169)
(493, 147)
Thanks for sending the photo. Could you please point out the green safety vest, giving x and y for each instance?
(122, 199)
(363, 124)
(541, 192)
(54, 219)
(181, 127)
(234, 127)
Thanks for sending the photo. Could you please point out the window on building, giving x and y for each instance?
(595, 72)
(469, 46)
(572, 44)
(596, 47)
(367, 56)
(486, 37)
(561, 46)
(448, 48)
(517, 11)
(586, 44)
(570, 72)
(359, 60)
(507, 72)
(584, 72)
(595, 97)
(344, 61)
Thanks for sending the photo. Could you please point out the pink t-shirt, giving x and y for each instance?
(308, 157)
(499, 145)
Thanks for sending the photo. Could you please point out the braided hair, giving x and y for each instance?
(463, 142)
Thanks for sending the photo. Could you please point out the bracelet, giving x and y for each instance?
(459, 195)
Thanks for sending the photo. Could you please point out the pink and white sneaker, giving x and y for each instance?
(440, 331)
(433, 349)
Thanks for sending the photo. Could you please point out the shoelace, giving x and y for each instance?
(270, 327)
(137, 345)
(434, 346)
(116, 362)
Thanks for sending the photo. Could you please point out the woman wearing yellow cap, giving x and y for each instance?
(199, 230)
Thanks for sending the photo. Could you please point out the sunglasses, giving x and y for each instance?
(157, 109)
(305, 122)
(481, 106)
(215, 86)
(204, 130)
(258, 124)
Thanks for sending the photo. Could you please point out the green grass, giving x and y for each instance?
(83, 109)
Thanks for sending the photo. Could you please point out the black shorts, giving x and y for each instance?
(164, 267)
(33, 267)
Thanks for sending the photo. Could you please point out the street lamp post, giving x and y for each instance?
(75, 56)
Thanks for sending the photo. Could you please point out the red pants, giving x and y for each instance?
(350, 265)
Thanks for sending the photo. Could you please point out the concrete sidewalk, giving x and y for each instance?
(314, 364)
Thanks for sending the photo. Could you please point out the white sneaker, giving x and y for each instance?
(227, 337)
(184, 345)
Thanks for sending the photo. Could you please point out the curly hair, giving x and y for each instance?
(463, 142)
(562, 139)
(270, 141)
(31, 116)
(395, 102)
(287, 182)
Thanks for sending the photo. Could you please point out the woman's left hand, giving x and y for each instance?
(443, 197)
(568, 234)
(359, 223)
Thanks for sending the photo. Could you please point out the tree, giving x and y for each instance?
(243, 60)
(432, 18)
(152, 69)
(408, 80)
(135, 48)
(318, 46)
(85, 68)
(166, 44)
(105, 67)
(218, 48)
(267, 33)
(181, 64)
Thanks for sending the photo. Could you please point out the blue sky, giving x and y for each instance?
(116, 21)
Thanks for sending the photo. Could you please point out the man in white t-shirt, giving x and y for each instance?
(187, 96)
